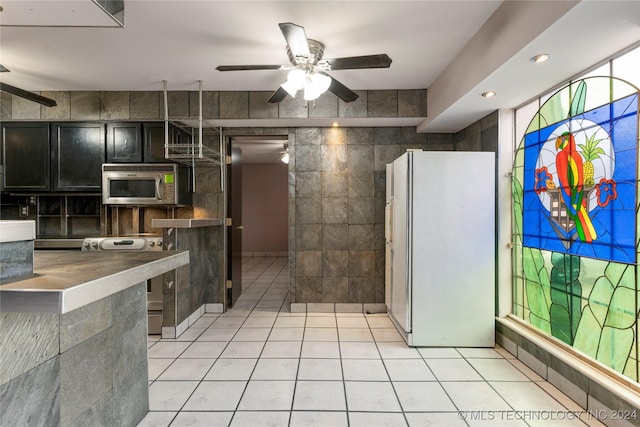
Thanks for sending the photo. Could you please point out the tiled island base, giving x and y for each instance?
(85, 367)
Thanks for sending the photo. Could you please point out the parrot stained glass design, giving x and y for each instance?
(571, 173)
(579, 181)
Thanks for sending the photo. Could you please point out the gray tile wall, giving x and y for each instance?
(86, 367)
(149, 105)
(337, 197)
(197, 283)
(336, 175)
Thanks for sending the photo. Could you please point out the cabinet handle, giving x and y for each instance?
(240, 227)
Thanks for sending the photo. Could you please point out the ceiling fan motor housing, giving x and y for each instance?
(316, 50)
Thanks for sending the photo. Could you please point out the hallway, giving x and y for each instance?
(260, 365)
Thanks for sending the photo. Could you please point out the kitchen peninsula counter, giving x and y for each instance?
(74, 338)
(66, 280)
(185, 222)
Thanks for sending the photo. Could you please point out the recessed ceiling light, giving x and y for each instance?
(488, 94)
(540, 58)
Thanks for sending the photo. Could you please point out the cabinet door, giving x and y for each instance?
(153, 134)
(78, 154)
(26, 156)
(124, 143)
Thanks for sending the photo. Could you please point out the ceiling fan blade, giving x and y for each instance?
(278, 96)
(341, 91)
(247, 67)
(355, 62)
(296, 39)
(48, 102)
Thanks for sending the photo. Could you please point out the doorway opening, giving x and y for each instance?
(256, 204)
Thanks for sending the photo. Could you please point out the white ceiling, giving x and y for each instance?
(454, 49)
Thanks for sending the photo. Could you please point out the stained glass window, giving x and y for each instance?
(575, 209)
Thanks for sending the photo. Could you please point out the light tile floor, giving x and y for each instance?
(260, 365)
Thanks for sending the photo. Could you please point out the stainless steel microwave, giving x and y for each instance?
(146, 184)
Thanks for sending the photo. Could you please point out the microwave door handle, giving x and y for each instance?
(159, 188)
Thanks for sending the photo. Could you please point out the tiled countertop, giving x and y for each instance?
(66, 280)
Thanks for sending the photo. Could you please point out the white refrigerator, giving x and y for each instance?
(440, 236)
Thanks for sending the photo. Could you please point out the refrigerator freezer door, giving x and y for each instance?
(401, 260)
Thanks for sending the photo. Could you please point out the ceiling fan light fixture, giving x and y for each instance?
(317, 84)
(290, 88)
(297, 77)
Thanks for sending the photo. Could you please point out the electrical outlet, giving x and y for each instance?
(24, 210)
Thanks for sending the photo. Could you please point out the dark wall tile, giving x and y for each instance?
(178, 102)
(23, 109)
(308, 289)
(360, 157)
(85, 105)
(335, 236)
(291, 108)
(308, 158)
(357, 108)
(309, 184)
(234, 105)
(382, 103)
(260, 107)
(334, 136)
(335, 210)
(335, 289)
(335, 264)
(360, 183)
(309, 237)
(412, 103)
(360, 136)
(325, 107)
(309, 263)
(308, 136)
(361, 289)
(210, 104)
(62, 111)
(114, 105)
(361, 210)
(334, 183)
(334, 157)
(5, 106)
(387, 136)
(308, 210)
(361, 264)
(145, 105)
(361, 237)
(440, 142)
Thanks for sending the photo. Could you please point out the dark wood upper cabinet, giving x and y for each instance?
(124, 143)
(153, 134)
(78, 151)
(25, 156)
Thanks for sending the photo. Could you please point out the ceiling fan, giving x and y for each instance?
(4, 87)
(308, 69)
